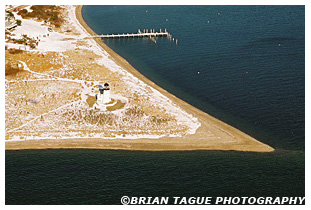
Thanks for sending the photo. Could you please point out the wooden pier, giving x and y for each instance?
(132, 35)
(144, 33)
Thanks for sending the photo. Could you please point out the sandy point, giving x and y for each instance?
(213, 134)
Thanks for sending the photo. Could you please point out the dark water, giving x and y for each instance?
(251, 64)
(104, 176)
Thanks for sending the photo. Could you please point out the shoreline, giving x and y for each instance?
(234, 139)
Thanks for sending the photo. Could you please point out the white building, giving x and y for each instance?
(103, 98)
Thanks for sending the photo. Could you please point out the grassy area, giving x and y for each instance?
(35, 99)
(25, 40)
(50, 13)
(11, 69)
(15, 51)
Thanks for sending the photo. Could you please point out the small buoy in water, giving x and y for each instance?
(198, 72)
(279, 44)
(146, 10)
(218, 13)
(208, 21)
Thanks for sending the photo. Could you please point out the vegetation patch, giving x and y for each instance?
(135, 112)
(15, 51)
(11, 69)
(25, 40)
(18, 22)
(49, 13)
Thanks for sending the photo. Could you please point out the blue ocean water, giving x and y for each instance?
(250, 61)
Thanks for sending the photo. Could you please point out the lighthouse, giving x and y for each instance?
(104, 94)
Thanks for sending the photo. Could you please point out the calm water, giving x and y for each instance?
(251, 64)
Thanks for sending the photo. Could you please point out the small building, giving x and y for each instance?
(103, 97)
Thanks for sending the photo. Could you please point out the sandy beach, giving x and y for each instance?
(228, 137)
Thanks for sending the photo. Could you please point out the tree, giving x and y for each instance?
(10, 14)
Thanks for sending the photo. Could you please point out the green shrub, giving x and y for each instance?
(19, 22)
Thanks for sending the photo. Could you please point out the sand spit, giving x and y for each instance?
(212, 134)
